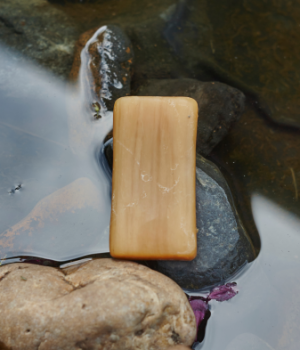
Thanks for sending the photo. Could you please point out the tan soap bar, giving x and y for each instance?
(153, 187)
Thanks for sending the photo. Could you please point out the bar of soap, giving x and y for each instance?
(153, 212)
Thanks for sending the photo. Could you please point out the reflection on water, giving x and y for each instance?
(54, 182)
(266, 312)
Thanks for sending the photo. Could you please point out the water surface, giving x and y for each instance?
(265, 314)
(54, 181)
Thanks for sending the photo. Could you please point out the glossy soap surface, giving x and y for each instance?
(153, 196)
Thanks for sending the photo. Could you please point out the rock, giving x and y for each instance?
(220, 106)
(103, 56)
(179, 347)
(103, 304)
(211, 39)
(39, 31)
(223, 246)
(173, 39)
(63, 2)
(189, 33)
(47, 32)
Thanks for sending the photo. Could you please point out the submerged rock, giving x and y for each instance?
(40, 31)
(223, 246)
(103, 58)
(257, 58)
(122, 305)
(220, 106)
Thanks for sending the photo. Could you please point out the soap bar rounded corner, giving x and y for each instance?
(118, 101)
(192, 256)
(112, 252)
(191, 100)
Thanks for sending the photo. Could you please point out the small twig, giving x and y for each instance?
(295, 183)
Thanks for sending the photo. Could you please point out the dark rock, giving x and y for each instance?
(189, 33)
(40, 31)
(50, 30)
(103, 56)
(223, 244)
(258, 58)
(154, 59)
(173, 39)
(63, 2)
(220, 106)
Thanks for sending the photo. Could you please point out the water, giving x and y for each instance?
(264, 315)
(54, 181)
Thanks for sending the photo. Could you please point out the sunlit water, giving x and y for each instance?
(54, 181)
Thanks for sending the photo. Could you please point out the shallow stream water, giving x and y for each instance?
(55, 182)
(264, 314)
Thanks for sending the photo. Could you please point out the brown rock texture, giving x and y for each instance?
(102, 66)
(104, 304)
(179, 347)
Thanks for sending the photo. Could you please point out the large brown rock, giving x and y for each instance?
(104, 304)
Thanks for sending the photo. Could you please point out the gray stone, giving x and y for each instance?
(102, 304)
(220, 106)
(223, 246)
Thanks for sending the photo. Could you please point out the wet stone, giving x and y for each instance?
(63, 2)
(39, 31)
(103, 59)
(220, 106)
(257, 58)
(102, 304)
(175, 39)
(223, 246)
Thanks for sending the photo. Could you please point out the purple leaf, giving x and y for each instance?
(224, 292)
(199, 307)
(199, 304)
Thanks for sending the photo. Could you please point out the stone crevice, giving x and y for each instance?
(10, 25)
